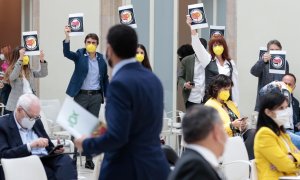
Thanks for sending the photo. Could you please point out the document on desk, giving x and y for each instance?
(78, 121)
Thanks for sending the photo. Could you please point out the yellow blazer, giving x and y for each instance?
(212, 102)
(270, 149)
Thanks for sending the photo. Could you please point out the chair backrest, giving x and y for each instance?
(26, 168)
(235, 150)
(253, 170)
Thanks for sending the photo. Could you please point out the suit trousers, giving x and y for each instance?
(92, 103)
(59, 167)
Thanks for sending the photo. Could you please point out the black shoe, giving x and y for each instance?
(89, 165)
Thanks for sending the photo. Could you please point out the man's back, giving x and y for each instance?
(134, 112)
(192, 166)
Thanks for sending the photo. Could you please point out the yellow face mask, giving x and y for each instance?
(91, 48)
(224, 95)
(289, 88)
(218, 50)
(25, 60)
(139, 57)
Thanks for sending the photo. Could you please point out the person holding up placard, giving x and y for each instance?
(191, 76)
(261, 69)
(219, 61)
(89, 80)
(20, 76)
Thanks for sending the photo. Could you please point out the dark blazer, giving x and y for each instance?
(134, 113)
(296, 112)
(192, 166)
(186, 73)
(261, 70)
(11, 145)
(80, 59)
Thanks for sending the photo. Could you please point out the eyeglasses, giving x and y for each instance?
(32, 118)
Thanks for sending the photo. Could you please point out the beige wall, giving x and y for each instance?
(53, 18)
(258, 22)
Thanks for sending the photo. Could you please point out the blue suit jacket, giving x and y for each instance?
(134, 113)
(80, 59)
(11, 145)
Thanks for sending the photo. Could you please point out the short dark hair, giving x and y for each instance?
(270, 101)
(198, 122)
(290, 74)
(218, 82)
(203, 42)
(92, 36)
(185, 50)
(123, 40)
(274, 41)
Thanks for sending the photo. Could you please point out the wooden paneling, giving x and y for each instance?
(10, 22)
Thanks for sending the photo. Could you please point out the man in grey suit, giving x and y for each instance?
(204, 134)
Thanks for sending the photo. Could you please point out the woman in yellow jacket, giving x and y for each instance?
(275, 154)
(219, 98)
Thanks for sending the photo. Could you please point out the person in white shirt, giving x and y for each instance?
(219, 61)
(205, 137)
(191, 76)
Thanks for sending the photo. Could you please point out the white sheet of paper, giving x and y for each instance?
(198, 25)
(75, 119)
(76, 33)
(133, 25)
(274, 70)
(31, 53)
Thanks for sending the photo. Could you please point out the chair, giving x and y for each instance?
(172, 127)
(253, 170)
(235, 162)
(170, 154)
(26, 168)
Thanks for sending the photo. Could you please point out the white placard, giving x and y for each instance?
(75, 22)
(197, 14)
(277, 64)
(75, 119)
(220, 30)
(31, 43)
(126, 15)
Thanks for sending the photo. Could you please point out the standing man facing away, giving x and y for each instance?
(89, 80)
(134, 113)
(204, 134)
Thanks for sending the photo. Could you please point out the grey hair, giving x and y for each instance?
(198, 122)
(26, 100)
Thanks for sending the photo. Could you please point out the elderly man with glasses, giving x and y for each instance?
(22, 134)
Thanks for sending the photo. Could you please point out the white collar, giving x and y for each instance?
(120, 64)
(207, 154)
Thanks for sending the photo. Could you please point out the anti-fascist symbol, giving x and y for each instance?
(73, 119)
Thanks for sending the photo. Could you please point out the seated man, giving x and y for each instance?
(205, 136)
(22, 134)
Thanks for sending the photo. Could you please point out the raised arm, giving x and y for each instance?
(201, 53)
(66, 46)
(43, 72)
(258, 67)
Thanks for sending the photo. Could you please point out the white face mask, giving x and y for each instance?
(26, 123)
(2, 57)
(282, 117)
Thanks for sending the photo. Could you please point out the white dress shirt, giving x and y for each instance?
(201, 61)
(207, 154)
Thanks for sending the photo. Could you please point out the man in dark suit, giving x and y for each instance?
(134, 113)
(89, 80)
(204, 134)
(22, 134)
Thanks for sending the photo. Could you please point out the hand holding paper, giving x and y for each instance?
(67, 31)
(22, 53)
(77, 120)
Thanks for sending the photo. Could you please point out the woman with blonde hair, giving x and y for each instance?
(21, 77)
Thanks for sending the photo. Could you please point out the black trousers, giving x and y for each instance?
(59, 167)
(92, 103)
